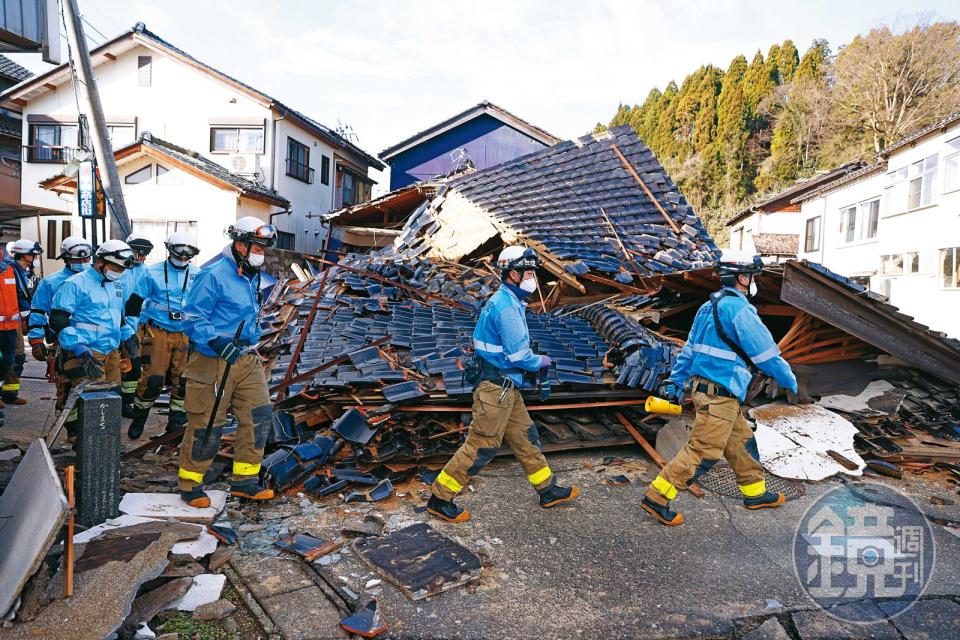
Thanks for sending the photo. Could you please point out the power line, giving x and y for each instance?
(87, 22)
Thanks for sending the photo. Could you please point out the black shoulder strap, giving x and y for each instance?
(714, 302)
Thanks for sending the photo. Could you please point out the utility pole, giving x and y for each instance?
(90, 99)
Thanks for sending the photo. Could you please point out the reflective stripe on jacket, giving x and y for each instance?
(9, 306)
(706, 355)
(96, 312)
(42, 300)
(502, 338)
(219, 298)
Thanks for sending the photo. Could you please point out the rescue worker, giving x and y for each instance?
(75, 251)
(86, 317)
(221, 297)
(22, 255)
(726, 345)
(130, 375)
(9, 320)
(501, 343)
(156, 306)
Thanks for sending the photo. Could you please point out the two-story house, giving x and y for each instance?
(895, 225)
(195, 147)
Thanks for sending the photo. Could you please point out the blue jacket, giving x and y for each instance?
(96, 312)
(42, 300)
(501, 336)
(164, 288)
(706, 355)
(219, 298)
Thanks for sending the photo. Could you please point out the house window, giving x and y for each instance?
(157, 232)
(121, 134)
(920, 187)
(949, 277)
(298, 161)
(53, 143)
(811, 241)
(951, 166)
(53, 241)
(353, 189)
(144, 71)
(285, 240)
(738, 233)
(236, 139)
(143, 174)
(325, 169)
(859, 222)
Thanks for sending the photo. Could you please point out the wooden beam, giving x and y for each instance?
(778, 310)
(51, 87)
(613, 283)
(109, 56)
(646, 190)
(693, 488)
(559, 271)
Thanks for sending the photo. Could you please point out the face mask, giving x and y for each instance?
(529, 285)
(77, 267)
(179, 264)
(112, 276)
(753, 288)
(255, 259)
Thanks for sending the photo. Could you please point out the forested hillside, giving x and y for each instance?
(729, 135)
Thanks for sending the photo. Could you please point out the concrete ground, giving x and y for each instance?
(601, 568)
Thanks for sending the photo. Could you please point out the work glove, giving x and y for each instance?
(545, 361)
(88, 362)
(669, 391)
(132, 346)
(39, 349)
(225, 348)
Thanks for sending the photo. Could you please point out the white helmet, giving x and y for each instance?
(116, 252)
(182, 245)
(736, 261)
(251, 229)
(519, 258)
(24, 247)
(75, 247)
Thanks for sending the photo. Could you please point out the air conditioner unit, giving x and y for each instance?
(248, 166)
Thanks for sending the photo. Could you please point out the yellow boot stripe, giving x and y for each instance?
(539, 477)
(245, 469)
(176, 405)
(13, 386)
(129, 386)
(190, 475)
(449, 482)
(73, 416)
(666, 489)
(753, 490)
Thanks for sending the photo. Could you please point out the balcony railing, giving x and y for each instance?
(47, 154)
(299, 171)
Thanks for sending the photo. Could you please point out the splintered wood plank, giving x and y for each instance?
(419, 561)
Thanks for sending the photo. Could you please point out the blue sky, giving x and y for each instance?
(389, 68)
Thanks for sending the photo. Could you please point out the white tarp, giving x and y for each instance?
(880, 398)
(794, 440)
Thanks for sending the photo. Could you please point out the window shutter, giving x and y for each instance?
(144, 69)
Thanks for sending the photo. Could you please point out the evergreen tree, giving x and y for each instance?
(787, 62)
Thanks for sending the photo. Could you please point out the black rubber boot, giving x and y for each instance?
(663, 513)
(556, 494)
(176, 421)
(127, 410)
(196, 497)
(135, 430)
(446, 510)
(768, 499)
(251, 490)
(73, 430)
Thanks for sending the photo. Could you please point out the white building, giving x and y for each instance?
(895, 225)
(217, 149)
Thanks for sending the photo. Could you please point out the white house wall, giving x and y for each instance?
(763, 222)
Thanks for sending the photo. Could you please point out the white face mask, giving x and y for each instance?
(179, 264)
(255, 259)
(112, 276)
(529, 285)
(753, 288)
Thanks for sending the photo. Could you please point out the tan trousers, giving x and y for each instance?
(246, 394)
(161, 351)
(719, 430)
(495, 420)
(69, 376)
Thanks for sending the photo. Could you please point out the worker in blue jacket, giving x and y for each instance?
(130, 376)
(727, 342)
(501, 342)
(221, 297)
(23, 254)
(76, 252)
(156, 307)
(86, 317)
